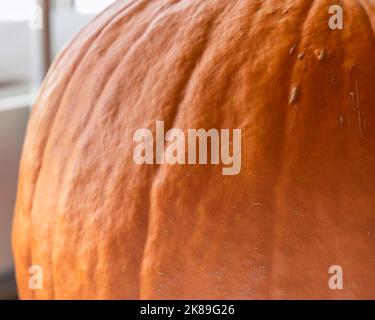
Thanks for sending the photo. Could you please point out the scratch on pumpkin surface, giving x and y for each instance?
(286, 10)
(320, 54)
(294, 119)
(358, 109)
(352, 96)
(342, 119)
(292, 49)
(273, 11)
(293, 95)
(354, 93)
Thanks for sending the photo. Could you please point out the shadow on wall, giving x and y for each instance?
(12, 132)
(8, 289)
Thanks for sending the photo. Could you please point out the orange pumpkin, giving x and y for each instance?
(102, 227)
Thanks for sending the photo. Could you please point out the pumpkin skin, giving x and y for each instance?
(102, 227)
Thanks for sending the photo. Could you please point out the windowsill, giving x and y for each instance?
(17, 102)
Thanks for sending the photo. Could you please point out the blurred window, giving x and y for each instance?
(19, 45)
(15, 62)
(91, 6)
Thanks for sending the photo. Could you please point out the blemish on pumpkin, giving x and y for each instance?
(352, 95)
(273, 11)
(301, 55)
(286, 10)
(333, 77)
(258, 204)
(320, 54)
(260, 266)
(293, 95)
(292, 50)
(342, 120)
(242, 34)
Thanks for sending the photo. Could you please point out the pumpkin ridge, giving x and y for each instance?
(173, 117)
(108, 82)
(228, 80)
(60, 99)
(257, 12)
(294, 68)
(296, 82)
(111, 22)
(304, 135)
(116, 19)
(365, 10)
(119, 66)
